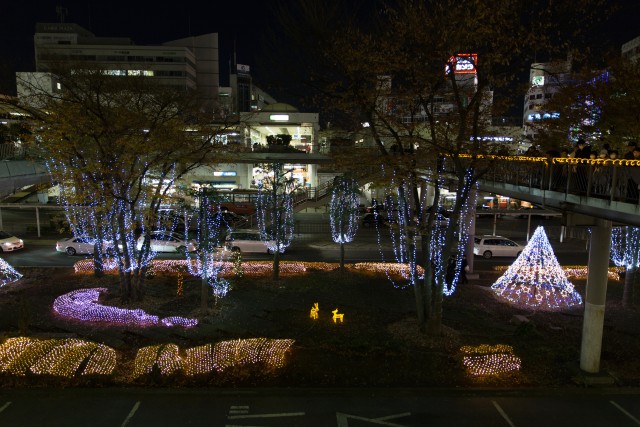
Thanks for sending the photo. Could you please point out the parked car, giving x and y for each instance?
(80, 246)
(231, 219)
(370, 220)
(9, 242)
(168, 242)
(489, 246)
(248, 240)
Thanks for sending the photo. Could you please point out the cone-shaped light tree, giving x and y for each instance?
(536, 279)
(7, 273)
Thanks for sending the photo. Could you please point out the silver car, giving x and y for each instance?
(489, 246)
(79, 246)
(168, 242)
(248, 240)
(9, 243)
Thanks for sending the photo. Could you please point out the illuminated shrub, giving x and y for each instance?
(59, 357)
(225, 354)
(489, 360)
(165, 357)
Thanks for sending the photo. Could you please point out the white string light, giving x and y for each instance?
(343, 210)
(536, 279)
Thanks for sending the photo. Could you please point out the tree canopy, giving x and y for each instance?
(116, 145)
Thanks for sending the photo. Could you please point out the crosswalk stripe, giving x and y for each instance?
(133, 411)
(5, 406)
(624, 411)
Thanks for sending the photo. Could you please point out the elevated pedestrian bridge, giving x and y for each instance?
(595, 193)
(604, 189)
(16, 174)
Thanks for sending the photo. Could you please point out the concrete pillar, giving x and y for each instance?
(312, 175)
(471, 220)
(595, 297)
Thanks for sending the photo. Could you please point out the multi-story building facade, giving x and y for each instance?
(545, 79)
(188, 63)
(631, 49)
(247, 114)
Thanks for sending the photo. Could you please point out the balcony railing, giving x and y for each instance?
(614, 180)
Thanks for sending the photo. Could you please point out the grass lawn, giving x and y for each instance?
(378, 344)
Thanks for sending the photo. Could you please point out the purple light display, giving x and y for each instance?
(82, 305)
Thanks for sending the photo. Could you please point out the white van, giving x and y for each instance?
(248, 240)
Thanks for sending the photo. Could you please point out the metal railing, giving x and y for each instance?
(612, 180)
(9, 151)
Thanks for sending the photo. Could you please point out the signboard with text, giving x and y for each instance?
(462, 63)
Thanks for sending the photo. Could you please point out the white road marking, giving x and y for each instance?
(343, 419)
(390, 417)
(504, 414)
(133, 411)
(5, 406)
(624, 411)
(283, 414)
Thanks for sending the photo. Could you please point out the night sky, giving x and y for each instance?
(153, 22)
(143, 21)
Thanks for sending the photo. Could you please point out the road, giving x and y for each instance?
(318, 407)
(368, 246)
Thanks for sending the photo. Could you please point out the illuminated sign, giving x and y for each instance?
(225, 173)
(537, 81)
(463, 63)
(279, 117)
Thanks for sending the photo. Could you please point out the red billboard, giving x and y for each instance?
(462, 63)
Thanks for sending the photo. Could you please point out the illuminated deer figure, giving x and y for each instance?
(314, 311)
(337, 316)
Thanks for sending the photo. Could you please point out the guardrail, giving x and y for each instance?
(613, 180)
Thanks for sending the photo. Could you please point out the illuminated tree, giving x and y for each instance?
(117, 144)
(209, 260)
(625, 252)
(275, 211)
(415, 94)
(344, 212)
(536, 279)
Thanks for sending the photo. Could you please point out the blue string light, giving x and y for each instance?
(274, 207)
(536, 279)
(343, 210)
(625, 246)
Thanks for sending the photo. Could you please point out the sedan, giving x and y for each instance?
(9, 243)
(167, 242)
(79, 246)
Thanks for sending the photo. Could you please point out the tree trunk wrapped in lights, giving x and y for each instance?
(625, 252)
(275, 211)
(343, 212)
(536, 279)
(118, 144)
(210, 257)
